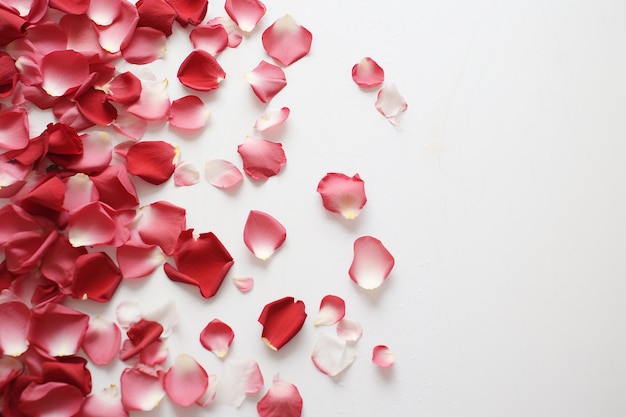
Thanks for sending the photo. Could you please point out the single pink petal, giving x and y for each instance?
(57, 330)
(96, 277)
(332, 355)
(114, 37)
(166, 315)
(104, 12)
(186, 174)
(212, 38)
(372, 263)
(235, 34)
(243, 284)
(342, 194)
(141, 390)
(91, 225)
(185, 381)
(128, 313)
(14, 131)
(189, 112)
(96, 155)
(139, 261)
(383, 356)
(146, 45)
(246, 13)
(161, 223)
(390, 103)
(15, 318)
(152, 161)
(281, 320)
(189, 12)
(240, 377)
(367, 73)
(200, 71)
(154, 354)
(217, 337)
(153, 103)
(263, 234)
(261, 158)
(106, 402)
(102, 340)
(221, 173)
(332, 309)
(271, 118)
(266, 81)
(282, 400)
(63, 72)
(286, 41)
(50, 399)
(10, 368)
(349, 330)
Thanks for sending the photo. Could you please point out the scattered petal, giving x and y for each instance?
(161, 223)
(189, 112)
(128, 313)
(246, 13)
(50, 399)
(349, 330)
(166, 315)
(240, 377)
(63, 72)
(103, 12)
(281, 320)
(263, 234)
(153, 102)
(221, 173)
(140, 334)
(95, 107)
(152, 161)
(212, 38)
(91, 225)
(261, 158)
(390, 103)
(372, 263)
(235, 34)
(217, 337)
(157, 14)
(186, 381)
(10, 368)
(332, 309)
(243, 284)
(102, 340)
(383, 356)
(332, 355)
(114, 37)
(15, 318)
(141, 390)
(125, 88)
(200, 71)
(14, 131)
(189, 12)
(342, 194)
(286, 41)
(154, 354)
(266, 80)
(367, 73)
(146, 45)
(106, 402)
(57, 330)
(115, 188)
(282, 400)
(186, 174)
(271, 118)
(139, 261)
(209, 395)
(96, 277)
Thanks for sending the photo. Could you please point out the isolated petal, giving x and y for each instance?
(145, 46)
(240, 377)
(349, 330)
(212, 38)
(263, 234)
(200, 71)
(390, 103)
(286, 41)
(14, 131)
(141, 390)
(332, 355)
(154, 101)
(102, 340)
(271, 118)
(152, 161)
(161, 223)
(63, 71)
(186, 174)
(246, 13)
(15, 318)
(282, 320)
(282, 400)
(185, 381)
(332, 309)
(342, 194)
(261, 158)
(266, 80)
(367, 73)
(106, 402)
(372, 263)
(383, 356)
(221, 173)
(57, 330)
(96, 277)
(217, 337)
(189, 112)
(243, 284)
(138, 261)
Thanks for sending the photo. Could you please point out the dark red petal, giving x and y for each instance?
(152, 161)
(115, 188)
(125, 88)
(96, 277)
(200, 71)
(96, 108)
(59, 262)
(46, 198)
(157, 14)
(62, 140)
(10, 26)
(189, 12)
(282, 320)
(140, 335)
(8, 75)
(71, 370)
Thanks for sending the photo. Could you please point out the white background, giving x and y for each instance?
(501, 196)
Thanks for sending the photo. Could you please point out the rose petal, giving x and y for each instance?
(209, 395)
(106, 402)
(96, 154)
(103, 12)
(46, 198)
(161, 223)
(141, 390)
(246, 13)
(157, 14)
(266, 80)
(282, 400)
(367, 73)
(146, 45)
(349, 330)
(212, 38)
(221, 173)
(14, 131)
(332, 309)
(50, 399)
(166, 315)
(115, 187)
(57, 330)
(383, 356)
(154, 101)
(91, 225)
(281, 320)
(200, 71)
(130, 126)
(372, 263)
(63, 72)
(114, 37)
(139, 261)
(286, 41)
(240, 377)
(263, 234)
(271, 118)
(332, 355)
(82, 36)
(186, 174)
(125, 88)
(140, 334)
(152, 161)
(59, 263)
(342, 194)
(102, 340)
(15, 318)
(128, 313)
(185, 381)
(261, 158)
(95, 107)
(155, 353)
(189, 112)
(217, 337)
(390, 103)
(96, 277)
(235, 34)
(243, 284)
(10, 368)
(189, 12)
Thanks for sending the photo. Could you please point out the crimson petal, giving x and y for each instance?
(152, 161)
(189, 12)
(282, 320)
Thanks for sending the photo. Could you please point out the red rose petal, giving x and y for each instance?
(331, 354)
(342, 194)
(10, 26)
(282, 320)
(263, 234)
(8, 75)
(286, 41)
(91, 225)
(96, 277)
(70, 6)
(367, 73)
(200, 71)
(10, 368)
(217, 337)
(125, 88)
(155, 353)
(282, 400)
(115, 188)
(186, 381)
(189, 12)
(140, 334)
(372, 263)
(332, 309)
(261, 158)
(266, 81)
(157, 14)
(57, 330)
(152, 161)
(96, 155)
(102, 340)
(246, 13)
(94, 105)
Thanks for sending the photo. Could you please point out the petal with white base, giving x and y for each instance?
(332, 355)
(332, 309)
(263, 234)
(186, 381)
(371, 264)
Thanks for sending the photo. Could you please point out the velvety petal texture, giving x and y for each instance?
(332, 309)
(246, 13)
(185, 381)
(217, 337)
(261, 158)
(266, 81)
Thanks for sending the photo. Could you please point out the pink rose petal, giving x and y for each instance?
(141, 389)
(332, 355)
(217, 337)
(221, 173)
(235, 34)
(146, 45)
(15, 318)
(240, 377)
(96, 154)
(154, 354)
(189, 112)
(372, 263)
(114, 37)
(186, 174)
(14, 131)
(91, 225)
(367, 73)
(166, 315)
(186, 381)
(282, 400)
(261, 158)
(246, 13)
(63, 72)
(263, 234)
(286, 41)
(271, 118)
(104, 12)
(209, 395)
(349, 330)
(342, 194)
(243, 284)
(332, 309)
(140, 335)
(383, 356)
(50, 399)
(139, 261)
(153, 102)
(390, 103)
(161, 223)
(266, 81)
(102, 340)
(212, 38)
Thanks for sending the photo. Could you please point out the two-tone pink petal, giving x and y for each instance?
(221, 173)
(287, 41)
(186, 381)
(266, 80)
(367, 73)
(282, 400)
(271, 118)
(342, 194)
(189, 113)
(141, 388)
(217, 337)
(371, 264)
(246, 13)
(263, 234)
(383, 356)
(332, 309)
(261, 158)
(102, 340)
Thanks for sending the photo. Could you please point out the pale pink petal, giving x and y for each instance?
(271, 118)
(63, 72)
(243, 284)
(104, 12)
(209, 395)
(286, 41)
(266, 80)
(50, 399)
(139, 261)
(221, 173)
(217, 337)
(14, 131)
(342, 194)
(58, 330)
(186, 381)
(141, 390)
(332, 309)
(212, 38)
(372, 263)
(166, 314)
(186, 174)
(96, 156)
(102, 340)
(240, 377)
(91, 225)
(115, 36)
(153, 161)
(146, 45)
(282, 400)
(154, 101)
(383, 356)
(155, 353)
(15, 317)
(263, 234)
(189, 112)
(367, 73)
(332, 355)
(128, 313)
(390, 103)
(246, 13)
(349, 330)
(104, 403)
(235, 34)
(261, 158)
